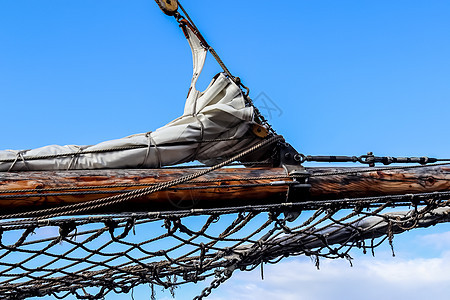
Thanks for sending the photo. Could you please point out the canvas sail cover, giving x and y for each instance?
(219, 112)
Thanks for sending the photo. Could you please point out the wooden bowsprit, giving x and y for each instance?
(24, 191)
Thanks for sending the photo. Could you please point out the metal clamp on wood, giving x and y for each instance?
(288, 158)
(299, 189)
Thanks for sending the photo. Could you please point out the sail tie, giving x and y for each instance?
(19, 155)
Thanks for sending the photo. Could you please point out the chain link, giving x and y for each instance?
(221, 278)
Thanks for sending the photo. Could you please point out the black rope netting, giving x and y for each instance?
(90, 257)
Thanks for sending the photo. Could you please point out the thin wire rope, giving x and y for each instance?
(211, 50)
(372, 169)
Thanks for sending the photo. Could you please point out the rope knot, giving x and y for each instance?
(66, 228)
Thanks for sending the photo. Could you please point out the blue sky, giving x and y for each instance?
(345, 77)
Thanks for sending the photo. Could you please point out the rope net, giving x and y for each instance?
(90, 257)
(46, 252)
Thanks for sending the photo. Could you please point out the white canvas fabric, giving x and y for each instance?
(219, 112)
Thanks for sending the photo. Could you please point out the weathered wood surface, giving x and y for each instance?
(41, 183)
(372, 183)
(375, 183)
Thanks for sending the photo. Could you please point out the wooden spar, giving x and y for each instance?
(97, 184)
(377, 182)
(237, 186)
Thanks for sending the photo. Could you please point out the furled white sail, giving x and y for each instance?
(219, 112)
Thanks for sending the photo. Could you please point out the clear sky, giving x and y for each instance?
(339, 77)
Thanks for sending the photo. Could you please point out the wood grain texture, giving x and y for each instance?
(374, 183)
(38, 182)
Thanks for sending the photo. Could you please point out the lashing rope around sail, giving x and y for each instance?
(21, 154)
(84, 207)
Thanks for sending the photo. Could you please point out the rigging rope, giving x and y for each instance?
(21, 155)
(84, 207)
